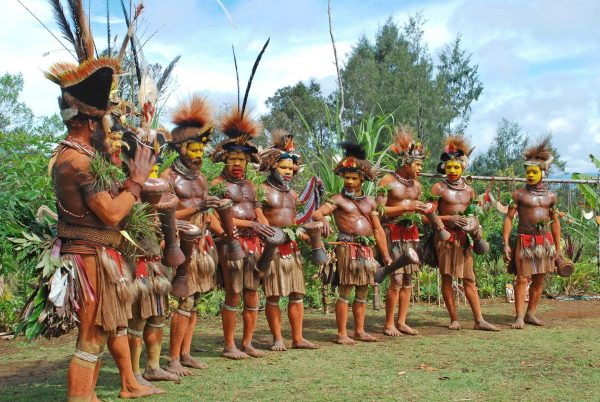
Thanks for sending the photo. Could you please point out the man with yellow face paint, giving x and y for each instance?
(357, 219)
(285, 277)
(538, 234)
(194, 126)
(455, 258)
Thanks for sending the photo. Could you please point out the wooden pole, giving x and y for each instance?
(511, 179)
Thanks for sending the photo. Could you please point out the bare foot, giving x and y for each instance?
(140, 379)
(176, 368)
(140, 392)
(483, 325)
(531, 319)
(189, 361)
(158, 374)
(454, 325)
(345, 340)
(304, 344)
(252, 351)
(391, 331)
(518, 324)
(405, 329)
(278, 346)
(364, 337)
(234, 353)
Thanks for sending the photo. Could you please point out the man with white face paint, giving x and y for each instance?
(285, 276)
(538, 233)
(455, 258)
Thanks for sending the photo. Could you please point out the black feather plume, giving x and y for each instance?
(108, 38)
(252, 75)
(138, 71)
(61, 20)
(237, 76)
(165, 75)
(354, 150)
(78, 36)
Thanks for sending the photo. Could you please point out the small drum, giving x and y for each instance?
(318, 254)
(276, 239)
(153, 190)
(168, 201)
(564, 266)
(271, 244)
(187, 231)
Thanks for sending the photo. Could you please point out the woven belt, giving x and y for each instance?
(102, 236)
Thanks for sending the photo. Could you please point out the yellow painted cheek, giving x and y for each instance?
(154, 172)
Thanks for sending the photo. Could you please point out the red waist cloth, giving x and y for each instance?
(359, 250)
(530, 241)
(141, 269)
(252, 244)
(209, 243)
(403, 233)
(288, 248)
(459, 236)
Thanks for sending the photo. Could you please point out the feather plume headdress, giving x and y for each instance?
(237, 124)
(193, 121)
(355, 161)
(539, 154)
(282, 147)
(456, 149)
(405, 147)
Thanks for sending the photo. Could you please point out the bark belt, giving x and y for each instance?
(102, 236)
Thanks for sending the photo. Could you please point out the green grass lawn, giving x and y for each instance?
(556, 363)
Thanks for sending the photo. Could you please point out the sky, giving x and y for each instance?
(538, 60)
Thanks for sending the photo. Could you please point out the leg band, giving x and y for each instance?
(85, 356)
(341, 299)
(250, 308)
(184, 313)
(270, 303)
(296, 301)
(121, 332)
(161, 325)
(229, 308)
(357, 300)
(133, 332)
(407, 286)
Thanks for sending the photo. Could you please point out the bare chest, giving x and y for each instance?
(186, 189)
(399, 192)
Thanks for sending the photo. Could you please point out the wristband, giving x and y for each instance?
(133, 187)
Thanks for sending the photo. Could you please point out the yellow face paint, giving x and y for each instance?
(533, 174)
(453, 170)
(195, 150)
(154, 172)
(113, 142)
(285, 168)
(353, 182)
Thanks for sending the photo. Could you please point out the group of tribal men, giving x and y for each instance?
(202, 250)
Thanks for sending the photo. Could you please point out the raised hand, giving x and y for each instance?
(141, 164)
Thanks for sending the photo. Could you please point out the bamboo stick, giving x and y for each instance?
(512, 179)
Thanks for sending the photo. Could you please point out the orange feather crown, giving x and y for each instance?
(240, 129)
(456, 149)
(282, 147)
(193, 121)
(405, 147)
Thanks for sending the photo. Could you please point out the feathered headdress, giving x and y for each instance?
(282, 147)
(405, 147)
(456, 149)
(355, 161)
(193, 121)
(85, 86)
(539, 154)
(237, 124)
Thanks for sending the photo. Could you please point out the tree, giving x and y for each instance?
(300, 109)
(13, 113)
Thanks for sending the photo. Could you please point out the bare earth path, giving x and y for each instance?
(560, 361)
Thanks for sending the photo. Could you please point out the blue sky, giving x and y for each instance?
(538, 60)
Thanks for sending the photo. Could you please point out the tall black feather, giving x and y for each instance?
(138, 71)
(108, 38)
(353, 149)
(61, 20)
(79, 46)
(237, 76)
(165, 75)
(252, 75)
